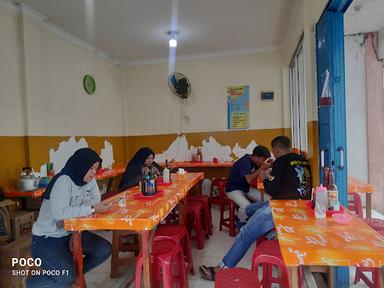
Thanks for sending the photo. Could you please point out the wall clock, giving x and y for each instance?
(89, 84)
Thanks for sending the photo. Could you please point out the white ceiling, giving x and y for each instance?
(364, 16)
(135, 30)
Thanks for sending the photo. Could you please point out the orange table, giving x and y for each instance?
(140, 216)
(203, 164)
(355, 185)
(305, 240)
(13, 193)
(108, 174)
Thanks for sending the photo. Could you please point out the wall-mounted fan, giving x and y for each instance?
(179, 85)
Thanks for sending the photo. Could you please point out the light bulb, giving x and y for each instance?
(172, 43)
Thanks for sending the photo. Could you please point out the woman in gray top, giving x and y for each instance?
(71, 193)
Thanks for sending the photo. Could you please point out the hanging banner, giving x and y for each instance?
(238, 107)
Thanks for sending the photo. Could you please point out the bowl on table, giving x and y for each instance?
(342, 218)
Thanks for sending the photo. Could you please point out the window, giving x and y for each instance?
(298, 101)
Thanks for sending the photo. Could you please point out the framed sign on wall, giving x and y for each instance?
(238, 107)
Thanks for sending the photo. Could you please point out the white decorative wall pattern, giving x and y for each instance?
(180, 150)
(66, 149)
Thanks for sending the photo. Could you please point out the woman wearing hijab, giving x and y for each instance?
(71, 193)
(140, 165)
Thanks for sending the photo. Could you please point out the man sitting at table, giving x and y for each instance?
(290, 179)
(243, 173)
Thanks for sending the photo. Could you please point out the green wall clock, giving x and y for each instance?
(89, 84)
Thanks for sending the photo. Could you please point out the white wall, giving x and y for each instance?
(44, 94)
(153, 109)
(11, 100)
(57, 102)
(356, 101)
(306, 13)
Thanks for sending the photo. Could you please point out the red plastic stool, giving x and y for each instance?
(194, 214)
(207, 210)
(268, 254)
(236, 278)
(374, 283)
(166, 257)
(223, 201)
(180, 235)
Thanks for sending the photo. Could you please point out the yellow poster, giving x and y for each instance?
(238, 107)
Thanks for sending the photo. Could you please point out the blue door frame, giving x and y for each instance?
(332, 116)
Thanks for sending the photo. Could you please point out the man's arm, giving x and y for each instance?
(251, 178)
(273, 182)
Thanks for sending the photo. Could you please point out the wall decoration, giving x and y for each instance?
(238, 107)
(89, 84)
(181, 150)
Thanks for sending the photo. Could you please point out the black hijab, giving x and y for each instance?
(76, 168)
(133, 170)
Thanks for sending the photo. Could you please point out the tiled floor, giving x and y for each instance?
(214, 250)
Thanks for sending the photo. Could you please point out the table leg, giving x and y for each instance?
(293, 279)
(78, 258)
(183, 212)
(145, 251)
(368, 205)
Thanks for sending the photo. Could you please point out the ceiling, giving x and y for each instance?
(135, 30)
(364, 16)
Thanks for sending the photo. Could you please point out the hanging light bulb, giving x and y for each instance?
(172, 41)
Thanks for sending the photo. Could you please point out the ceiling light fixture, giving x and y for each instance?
(172, 41)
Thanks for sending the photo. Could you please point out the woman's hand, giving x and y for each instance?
(101, 207)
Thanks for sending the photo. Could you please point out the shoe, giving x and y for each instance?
(271, 235)
(239, 223)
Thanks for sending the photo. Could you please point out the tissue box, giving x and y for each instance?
(21, 222)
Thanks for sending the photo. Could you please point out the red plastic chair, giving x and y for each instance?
(180, 235)
(354, 205)
(195, 213)
(236, 278)
(268, 254)
(374, 283)
(204, 199)
(223, 201)
(167, 262)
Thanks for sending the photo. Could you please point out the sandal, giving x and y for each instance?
(203, 273)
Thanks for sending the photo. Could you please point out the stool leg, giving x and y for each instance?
(138, 272)
(232, 222)
(188, 252)
(199, 234)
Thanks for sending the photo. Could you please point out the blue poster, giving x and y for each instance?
(238, 107)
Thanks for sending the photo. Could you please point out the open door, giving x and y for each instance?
(331, 101)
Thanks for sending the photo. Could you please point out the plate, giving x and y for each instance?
(139, 196)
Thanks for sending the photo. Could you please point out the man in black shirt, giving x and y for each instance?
(290, 179)
(291, 173)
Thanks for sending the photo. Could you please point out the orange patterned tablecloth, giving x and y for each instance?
(117, 171)
(13, 193)
(355, 185)
(305, 240)
(138, 214)
(33, 194)
(204, 164)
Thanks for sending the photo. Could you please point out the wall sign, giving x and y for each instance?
(267, 95)
(238, 107)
